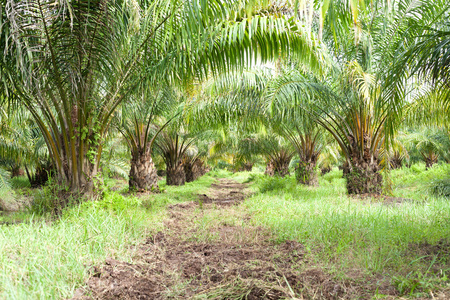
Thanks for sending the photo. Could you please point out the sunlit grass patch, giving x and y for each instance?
(343, 233)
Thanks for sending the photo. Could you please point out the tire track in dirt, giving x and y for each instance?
(210, 250)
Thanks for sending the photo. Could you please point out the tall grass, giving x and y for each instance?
(48, 259)
(344, 233)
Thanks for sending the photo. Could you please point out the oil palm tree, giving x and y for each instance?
(351, 100)
(427, 144)
(22, 146)
(73, 63)
(347, 111)
(138, 122)
(173, 147)
(308, 144)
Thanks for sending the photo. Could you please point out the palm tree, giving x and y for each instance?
(76, 61)
(22, 146)
(276, 150)
(347, 111)
(137, 123)
(351, 100)
(173, 148)
(427, 144)
(329, 156)
(308, 145)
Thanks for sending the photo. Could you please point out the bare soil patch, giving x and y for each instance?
(216, 253)
(224, 192)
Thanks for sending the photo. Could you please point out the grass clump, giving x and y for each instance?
(20, 182)
(268, 184)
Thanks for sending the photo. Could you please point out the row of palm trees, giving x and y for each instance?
(344, 70)
(73, 64)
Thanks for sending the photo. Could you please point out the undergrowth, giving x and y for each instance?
(343, 233)
(48, 258)
(403, 242)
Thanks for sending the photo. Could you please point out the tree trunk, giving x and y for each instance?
(189, 172)
(193, 169)
(325, 170)
(41, 175)
(279, 167)
(305, 173)
(175, 175)
(430, 159)
(143, 174)
(396, 162)
(16, 171)
(363, 178)
(76, 168)
(363, 171)
(245, 167)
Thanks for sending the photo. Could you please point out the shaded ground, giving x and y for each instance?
(215, 253)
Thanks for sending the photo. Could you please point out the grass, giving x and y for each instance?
(43, 258)
(416, 182)
(344, 233)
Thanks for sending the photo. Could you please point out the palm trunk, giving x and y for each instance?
(325, 170)
(305, 173)
(193, 169)
(245, 167)
(363, 171)
(16, 171)
(430, 159)
(188, 167)
(279, 167)
(41, 175)
(78, 172)
(396, 162)
(175, 175)
(363, 178)
(143, 174)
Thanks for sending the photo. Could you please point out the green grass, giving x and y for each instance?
(416, 182)
(20, 182)
(344, 233)
(43, 258)
(48, 259)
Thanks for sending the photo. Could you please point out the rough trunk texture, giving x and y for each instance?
(245, 167)
(16, 171)
(41, 175)
(430, 159)
(363, 171)
(325, 170)
(77, 172)
(305, 173)
(175, 175)
(278, 167)
(193, 169)
(396, 162)
(143, 174)
(363, 178)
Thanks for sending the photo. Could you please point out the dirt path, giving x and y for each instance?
(210, 250)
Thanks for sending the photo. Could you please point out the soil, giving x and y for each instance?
(211, 250)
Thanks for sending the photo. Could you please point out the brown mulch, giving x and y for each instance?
(216, 253)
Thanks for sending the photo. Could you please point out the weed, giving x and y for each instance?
(275, 183)
(20, 182)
